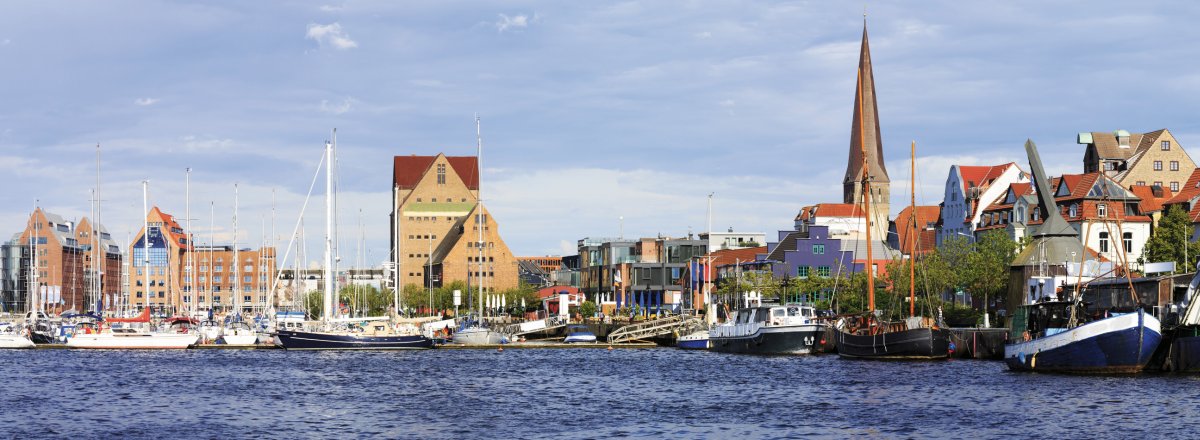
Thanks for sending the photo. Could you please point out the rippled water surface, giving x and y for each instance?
(576, 393)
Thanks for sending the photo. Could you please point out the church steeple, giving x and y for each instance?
(864, 136)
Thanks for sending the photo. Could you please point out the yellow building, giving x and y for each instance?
(435, 229)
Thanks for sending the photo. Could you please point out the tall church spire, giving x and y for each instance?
(864, 136)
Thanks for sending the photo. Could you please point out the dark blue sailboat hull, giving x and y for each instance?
(300, 340)
(1121, 344)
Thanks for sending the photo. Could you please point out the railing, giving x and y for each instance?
(658, 327)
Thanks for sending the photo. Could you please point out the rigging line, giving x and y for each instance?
(296, 231)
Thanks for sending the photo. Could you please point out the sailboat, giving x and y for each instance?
(236, 331)
(1057, 336)
(868, 337)
(125, 337)
(472, 331)
(374, 335)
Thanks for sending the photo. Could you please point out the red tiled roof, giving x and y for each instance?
(981, 176)
(407, 170)
(925, 216)
(837, 210)
(547, 292)
(1151, 202)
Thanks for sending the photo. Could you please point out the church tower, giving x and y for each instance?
(864, 137)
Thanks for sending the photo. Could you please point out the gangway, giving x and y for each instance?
(528, 327)
(677, 324)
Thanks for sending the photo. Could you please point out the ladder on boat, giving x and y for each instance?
(677, 324)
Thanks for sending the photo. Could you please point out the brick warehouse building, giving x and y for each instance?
(434, 220)
(218, 275)
(65, 270)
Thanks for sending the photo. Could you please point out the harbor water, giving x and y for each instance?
(566, 393)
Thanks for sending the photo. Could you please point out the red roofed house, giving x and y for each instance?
(902, 237)
(1108, 218)
(969, 189)
(1187, 199)
(437, 237)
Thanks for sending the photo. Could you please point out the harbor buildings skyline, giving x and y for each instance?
(66, 270)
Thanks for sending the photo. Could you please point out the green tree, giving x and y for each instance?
(587, 309)
(1167, 243)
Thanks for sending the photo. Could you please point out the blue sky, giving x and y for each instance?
(591, 110)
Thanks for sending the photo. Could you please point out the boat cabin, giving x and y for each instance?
(1042, 319)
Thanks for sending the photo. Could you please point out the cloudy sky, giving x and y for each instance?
(591, 110)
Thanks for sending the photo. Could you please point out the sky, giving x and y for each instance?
(591, 112)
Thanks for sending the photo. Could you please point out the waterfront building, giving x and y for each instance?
(970, 189)
(173, 260)
(436, 230)
(1107, 218)
(66, 269)
(647, 273)
(733, 240)
(901, 236)
(821, 251)
(1137, 159)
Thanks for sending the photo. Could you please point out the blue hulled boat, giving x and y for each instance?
(1043, 339)
(304, 340)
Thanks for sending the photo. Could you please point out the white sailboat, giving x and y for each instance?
(128, 336)
(236, 331)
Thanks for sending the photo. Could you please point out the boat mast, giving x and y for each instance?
(146, 244)
(237, 310)
(31, 289)
(866, 194)
(912, 241)
(396, 248)
(479, 210)
(98, 254)
(327, 276)
(190, 259)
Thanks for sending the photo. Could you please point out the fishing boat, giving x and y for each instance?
(778, 329)
(1182, 342)
(1060, 336)
(869, 336)
(371, 333)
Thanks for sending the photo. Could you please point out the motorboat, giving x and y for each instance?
(697, 340)
(579, 334)
(778, 329)
(14, 337)
(239, 333)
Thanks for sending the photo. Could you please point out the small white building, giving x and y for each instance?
(970, 189)
(733, 240)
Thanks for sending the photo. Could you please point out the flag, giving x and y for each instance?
(617, 277)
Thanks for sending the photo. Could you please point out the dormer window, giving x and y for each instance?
(1101, 210)
(1074, 210)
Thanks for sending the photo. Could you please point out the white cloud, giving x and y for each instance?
(6, 42)
(145, 101)
(330, 35)
(515, 22)
(337, 109)
(332, 8)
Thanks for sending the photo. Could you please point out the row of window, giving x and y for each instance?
(448, 200)
(1174, 185)
(1158, 165)
(422, 237)
(1127, 238)
(806, 271)
(245, 288)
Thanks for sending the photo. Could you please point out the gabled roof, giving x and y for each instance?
(1188, 195)
(1107, 146)
(830, 210)
(981, 176)
(407, 170)
(903, 222)
(788, 243)
(726, 257)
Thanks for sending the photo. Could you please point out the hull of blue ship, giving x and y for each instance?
(1118, 345)
(300, 340)
(694, 343)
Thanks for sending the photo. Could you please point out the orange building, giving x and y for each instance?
(66, 273)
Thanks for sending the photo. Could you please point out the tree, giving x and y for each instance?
(587, 309)
(1167, 243)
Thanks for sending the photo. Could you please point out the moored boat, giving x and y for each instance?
(14, 337)
(472, 334)
(1043, 338)
(579, 334)
(781, 329)
(697, 340)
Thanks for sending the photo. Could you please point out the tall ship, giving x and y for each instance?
(369, 333)
(769, 329)
(1061, 336)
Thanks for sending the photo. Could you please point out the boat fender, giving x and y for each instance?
(951, 347)
(822, 341)
(609, 348)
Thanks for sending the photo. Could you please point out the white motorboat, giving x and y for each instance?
(14, 337)
(210, 331)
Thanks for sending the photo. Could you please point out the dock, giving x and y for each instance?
(978, 343)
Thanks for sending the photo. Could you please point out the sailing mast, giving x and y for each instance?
(327, 276)
(479, 210)
(396, 248)
(912, 240)
(190, 259)
(866, 194)
(146, 244)
(237, 310)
